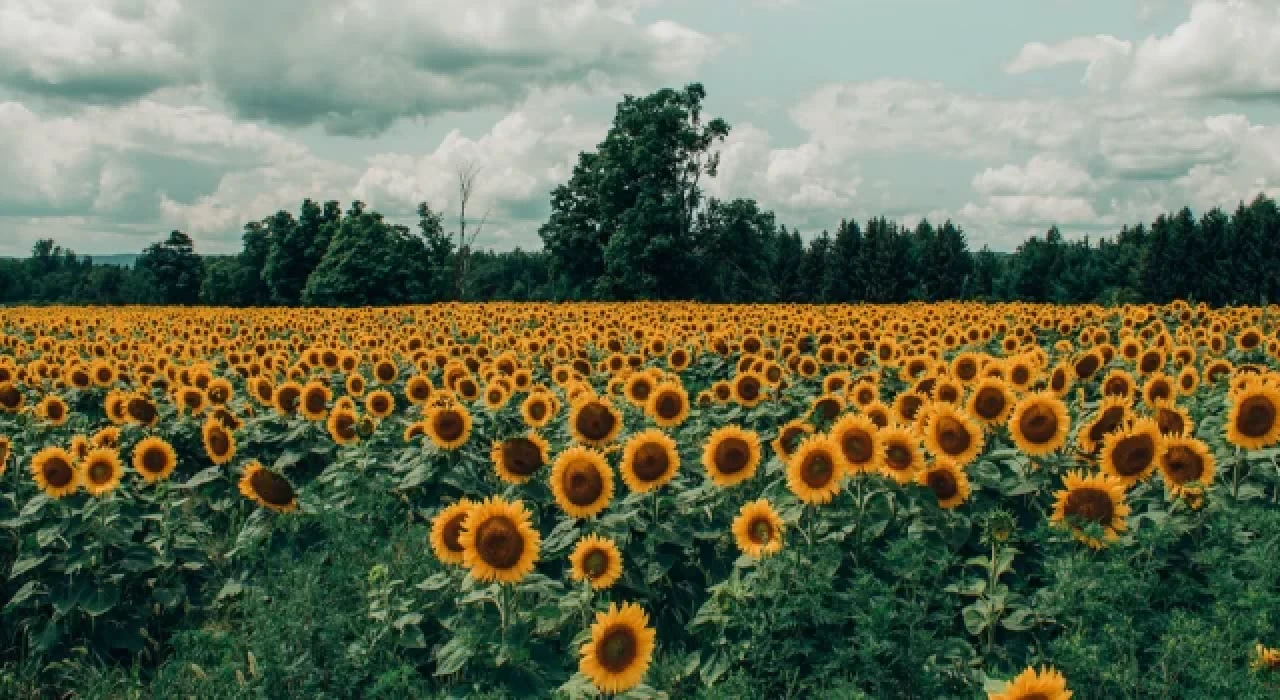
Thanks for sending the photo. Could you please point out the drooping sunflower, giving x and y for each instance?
(813, 472)
(789, 438)
(1254, 420)
(267, 488)
(1130, 455)
(446, 530)
(54, 471)
(991, 401)
(757, 529)
(1111, 414)
(154, 458)
(100, 471)
(1045, 684)
(498, 541)
(594, 422)
(1093, 507)
(517, 459)
(341, 425)
(950, 434)
(582, 482)
(1039, 424)
(859, 441)
(448, 426)
(731, 455)
(219, 443)
(1185, 460)
(947, 480)
(649, 461)
(901, 456)
(668, 404)
(596, 560)
(314, 403)
(620, 650)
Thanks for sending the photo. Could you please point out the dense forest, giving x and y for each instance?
(632, 223)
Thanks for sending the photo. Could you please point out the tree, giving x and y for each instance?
(734, 242)
(467, 175)
(369, 262)
(440, 250)
(621, 228)
(173, 268)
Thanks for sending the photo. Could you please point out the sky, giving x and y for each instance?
(123, 119)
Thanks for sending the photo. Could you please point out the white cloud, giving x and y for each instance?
(1103, 54)
(1042, 175)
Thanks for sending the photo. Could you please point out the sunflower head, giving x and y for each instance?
(947, 480)
(1185, 461)
(950, 434)
(517, 459)
(991, 401)
(219, 443)
(1039, 424)
(498, 541)
(582, 482)
(446, 529)
(1130, 455)
(900, 456)
(757, 529)
(649, 461)
(380, 404)
(54, 471)
(748, 389)
(594, 422)
(668, 404)
(814, 471)
(448, 426)
(1254, 420)
(597, 561)
(154, 459)
(731, 455)
(267, 488)
(341, 425)
(1044, 684)
(538, 409)
(100, 471)
(1093, 507)
(789, 438)
(620, 649)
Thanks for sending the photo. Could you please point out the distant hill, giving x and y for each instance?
(121, 259)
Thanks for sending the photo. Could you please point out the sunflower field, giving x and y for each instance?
(1014, 502)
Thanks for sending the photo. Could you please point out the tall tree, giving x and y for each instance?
(369, 262)
(173, 268)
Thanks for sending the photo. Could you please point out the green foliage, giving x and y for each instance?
(369, 262)
(174, 269)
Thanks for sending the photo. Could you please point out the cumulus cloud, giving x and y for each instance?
(354, 67)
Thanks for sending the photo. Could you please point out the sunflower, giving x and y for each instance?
(1110, 415)
(219, 443)
(789, 437)
(496, 396)
(79, 447)
(1265, 659)
(1095, 502)
(1254, 420)
(948, 482)
(53, 469)
(594, 422)
(596, 560)
(748, 389)
(1118, 383)
(1183, 461)
(154, 459)
(900, 456)
(991, 401)
(313, 405)
(446, 529)
(53, 409)
(859, 441)
(448, 427)
(11, 400)
(418, 389)
(813, 472)
(1172, 418)
(100, 471)
(538, 409)
(582, 482)
(668, 404)
(498, 541)
(6, 448)
(517, 459)
(1045, 684)
(649, 461)
(757, 529)
(637, 388)
(341, 425)
(141, 410)
(267, 488)
(286, 398)
(731, 455)
(951, 434)
(1131, 454)
(620, 650)
(380, 403)
(1039, 424)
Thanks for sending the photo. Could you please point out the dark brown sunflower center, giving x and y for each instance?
(1086, 366)
(1133, 454)
(669, 405)
(1256, 417)
(57, 472)
(760, 531)
(858, 446)
(452, 531)
(1057, 380)
(582, 482)
(1107, 422)
(344, 424)
(898, 457)
(449, 425)
(749, 388)
(1183, 464)
(789, 438)
(141, 410)
(595, 421)
(1150, 362)
(1090, 504)
(966, 369)
(537, 410)
(911, 406)
(154, 460)
(618, 649)
(952, 435)
(817, 470)
(271, 487)
(99, 472)
(827, 409)
(1170, 422)
(650, 462)
(989, 403)
(420, 391)
(499, 543)
(722, 391)
(385, 371)
(219, 441)
(1116, 386)
(1034, 696)
(55, 410)
(640, 390)
(314, 401)
(595, 563)
(9, 397)
(943, 484)
(1020, 375)
(380, 404)
(1038, 424)
(732, 455)
(1159, 390)
(521, 456)
(289, 399)
(948, 393)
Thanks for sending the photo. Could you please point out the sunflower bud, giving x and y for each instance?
(1000, 526)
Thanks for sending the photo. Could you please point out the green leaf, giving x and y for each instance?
(451, 657)
(436, 582)
(28, 590)
(203, 477)
(975, 618)
(26, 564)
(413, 638)
(407, 619)
(100, 600)
(716, 667)
(1017, 620)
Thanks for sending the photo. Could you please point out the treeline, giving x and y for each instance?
(632, 223)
